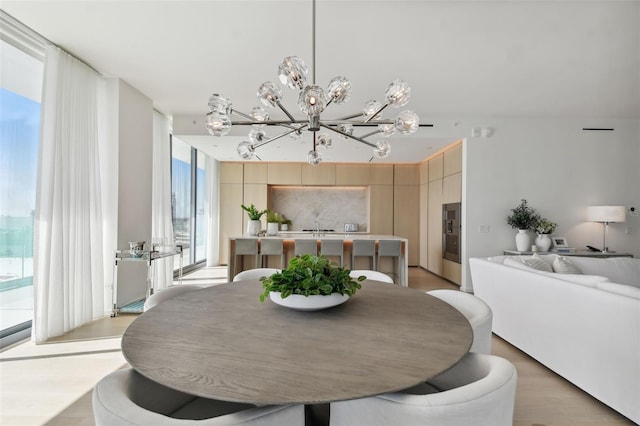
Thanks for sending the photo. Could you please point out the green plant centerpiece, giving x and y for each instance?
(310, 275)
(523, 216)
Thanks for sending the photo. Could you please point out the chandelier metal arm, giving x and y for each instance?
(377, 112)
(285, 123)
(241, 114)
(349, 117)
(285, 111)
(375, 132)
(347, 135)
(258, 145)
(356, 123)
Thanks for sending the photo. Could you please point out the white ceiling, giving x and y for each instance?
(463, 59)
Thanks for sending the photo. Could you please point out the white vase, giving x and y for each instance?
(272, 228)
(284, 226)
(523, 240)
(543, 242)
(253, 227)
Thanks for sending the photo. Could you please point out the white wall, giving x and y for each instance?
(560, 169)
(135, 142)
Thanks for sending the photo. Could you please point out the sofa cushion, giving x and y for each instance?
(621, 270)
(586, 280)
(562, 265)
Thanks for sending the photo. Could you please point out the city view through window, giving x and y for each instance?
(19, 134)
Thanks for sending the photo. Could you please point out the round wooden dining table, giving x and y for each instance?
(221, 342)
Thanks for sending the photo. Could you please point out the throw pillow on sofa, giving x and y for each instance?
(562, 265)
(537, 262)
(534, 262)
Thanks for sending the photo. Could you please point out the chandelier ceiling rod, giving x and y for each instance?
(313, 42)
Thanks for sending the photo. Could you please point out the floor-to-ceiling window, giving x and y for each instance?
(201, 214)
(188, 200)
(20, 92)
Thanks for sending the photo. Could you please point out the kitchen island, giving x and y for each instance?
(347, 243)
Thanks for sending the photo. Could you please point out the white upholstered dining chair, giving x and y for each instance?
(476, 311)
(479, 390)
(371, 275)
(254, 274)
(126, 398)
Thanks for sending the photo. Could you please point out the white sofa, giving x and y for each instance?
(584, 326)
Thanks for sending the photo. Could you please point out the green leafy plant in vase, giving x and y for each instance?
(285, 222)
(310, 276)
(273, 221)
(523, 218)
(543, 228)
(254, 224)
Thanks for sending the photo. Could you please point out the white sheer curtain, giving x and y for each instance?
(68, 273)
(161, 224)
(213, 201)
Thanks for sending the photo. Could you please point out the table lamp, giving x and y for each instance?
(606, 215)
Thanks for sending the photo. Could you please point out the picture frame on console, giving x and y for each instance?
(560, 242)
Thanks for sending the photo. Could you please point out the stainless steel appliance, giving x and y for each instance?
(451, 215)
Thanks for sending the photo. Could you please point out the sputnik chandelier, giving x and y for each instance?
(313, 100)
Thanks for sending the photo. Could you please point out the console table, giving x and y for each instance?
(581, 253)
(147, 256)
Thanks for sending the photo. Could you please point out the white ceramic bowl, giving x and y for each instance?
(308, 303)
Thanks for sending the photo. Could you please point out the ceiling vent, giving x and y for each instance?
(598, 129)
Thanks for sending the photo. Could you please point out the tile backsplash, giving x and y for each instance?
(331, 207)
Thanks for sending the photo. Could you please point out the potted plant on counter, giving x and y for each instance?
(543, 228)
(273, 221)
(310, 283)
(284, 223)
(254, 224)
(523, 218)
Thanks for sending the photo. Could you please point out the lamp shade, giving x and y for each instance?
(606, 214)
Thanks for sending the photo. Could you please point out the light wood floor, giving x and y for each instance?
(51, 384)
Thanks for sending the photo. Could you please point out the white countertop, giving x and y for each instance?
(329, 235)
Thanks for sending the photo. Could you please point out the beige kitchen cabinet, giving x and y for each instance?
(381, 174)
(436, 167)
(255, 173)
(452, 271)
(424, 225)
(434, 240)
(406, 218)
(406, 174)
(424, 172)
(322, 174)
(231, 217)
(452, 188)
(284, 173)
(231, 172)
(452, 162)
(381, 209)
(352, 174)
